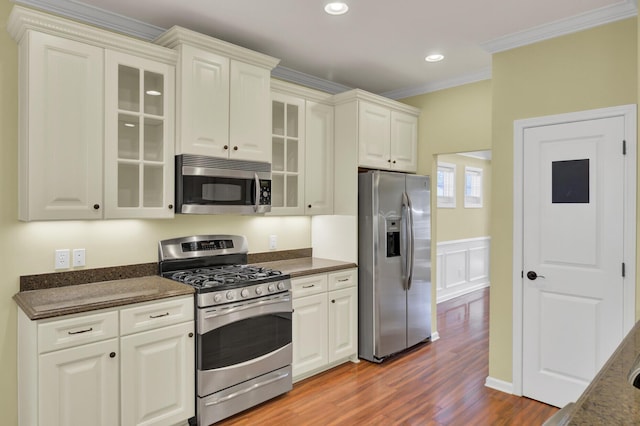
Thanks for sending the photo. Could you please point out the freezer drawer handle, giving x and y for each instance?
(249, 389)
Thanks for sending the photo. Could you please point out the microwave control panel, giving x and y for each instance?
(265, 192)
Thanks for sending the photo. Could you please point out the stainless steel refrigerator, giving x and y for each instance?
(394, 263)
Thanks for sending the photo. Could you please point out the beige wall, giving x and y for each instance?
(591, 69)
(452, 120)
(27, 248)
(461, 223)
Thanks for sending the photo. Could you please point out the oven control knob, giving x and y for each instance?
(244, 292)
(259, 291)
(272, 288)
(281, 285)
(229, 295)
(217, 298)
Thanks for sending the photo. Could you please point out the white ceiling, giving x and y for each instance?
(378, 46)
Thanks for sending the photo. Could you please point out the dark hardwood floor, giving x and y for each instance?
(439, 383)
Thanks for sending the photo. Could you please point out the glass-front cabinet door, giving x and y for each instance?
(139, 153)
(287, 155)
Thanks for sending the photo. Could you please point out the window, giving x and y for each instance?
(472, 187)
(446, 185)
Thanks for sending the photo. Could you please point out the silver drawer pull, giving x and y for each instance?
(159, 316)
(344, 280)
(308, 286)
(81, 331)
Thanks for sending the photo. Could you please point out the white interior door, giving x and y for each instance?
(573, 253)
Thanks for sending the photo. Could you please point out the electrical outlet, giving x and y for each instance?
(78, 257)
(273, 242)
(62, 259)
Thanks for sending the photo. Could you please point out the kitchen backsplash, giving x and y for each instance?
(61, 279)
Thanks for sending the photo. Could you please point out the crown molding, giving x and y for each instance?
(293, 89)
(604, 15)
(307, 80)
(359, 94)
(176, 36)
(95, 16)
(22, 19)
(484, 74)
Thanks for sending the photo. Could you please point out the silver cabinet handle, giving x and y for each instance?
(308, 286)
(344, 280)
(80, 331)
(159, 316)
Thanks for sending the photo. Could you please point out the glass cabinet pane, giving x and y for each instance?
(153, 186)
(128, 88)
(277, 154)
(128, 136)
(277, 190)
(153, 93)
(153, 138)
(277, 123)
(292, 155)
(292, 191)
(292, 121)
(128, 185)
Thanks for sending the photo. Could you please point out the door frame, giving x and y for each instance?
(629, 222)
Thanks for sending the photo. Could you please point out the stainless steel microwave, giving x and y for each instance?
(209, 185)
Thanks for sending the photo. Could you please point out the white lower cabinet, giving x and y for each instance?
(324, 321)
(79, 386)
(132, 365)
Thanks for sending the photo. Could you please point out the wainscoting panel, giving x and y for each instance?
(462, 266)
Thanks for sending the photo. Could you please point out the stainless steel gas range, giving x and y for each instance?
(243, 323)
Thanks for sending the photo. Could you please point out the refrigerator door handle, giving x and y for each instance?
(411, 243)
(406, 241)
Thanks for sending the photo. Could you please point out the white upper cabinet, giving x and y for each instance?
(384, 131)
(224, 97)
(404, 141)
(79, 157)
(319, 159)
(138, 137)
(61, 110)
(203, 102)
(302, 149)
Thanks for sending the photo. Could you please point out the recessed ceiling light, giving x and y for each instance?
(436, 57)
(153, 93)
(336, 8)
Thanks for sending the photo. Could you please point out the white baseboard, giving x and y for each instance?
(435, 336)
(501, 385)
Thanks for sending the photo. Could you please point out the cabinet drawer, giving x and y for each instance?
(306, 286)
(70, 332)
(156, 314)
(343, 279)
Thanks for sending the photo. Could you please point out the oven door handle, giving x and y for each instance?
(249, 389)
(211, 319)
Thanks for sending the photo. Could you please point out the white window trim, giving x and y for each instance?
(447, 202)
(473, 202)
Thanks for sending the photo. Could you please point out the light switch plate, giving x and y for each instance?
(273, 242)
(78, 257)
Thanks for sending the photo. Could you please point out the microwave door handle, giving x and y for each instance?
(256, 206)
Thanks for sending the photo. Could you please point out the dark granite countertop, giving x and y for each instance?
(610, 399)
(52, 295)
(53, 302)
(308, 266)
